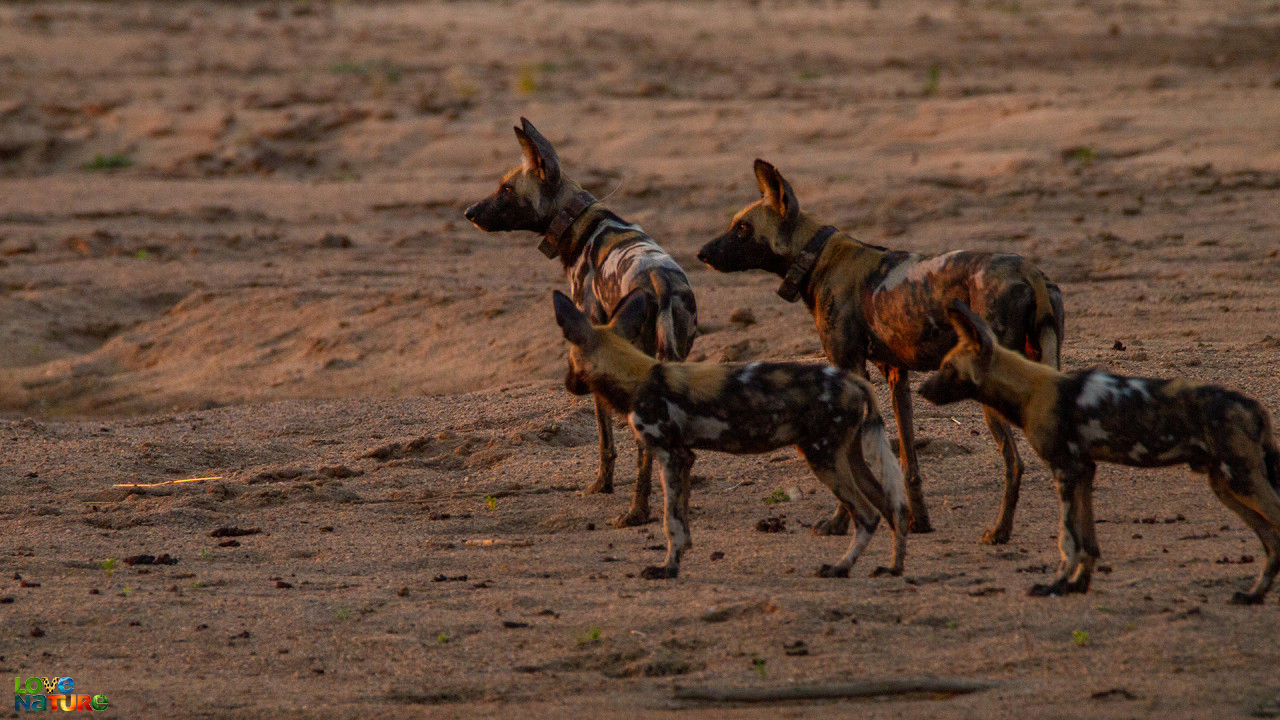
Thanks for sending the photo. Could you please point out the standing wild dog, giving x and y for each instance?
(888, 306)
(676, 408)
(605, 259)
(1075, 420)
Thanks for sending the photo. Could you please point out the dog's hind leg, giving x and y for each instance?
(834, 471)
(837, 524)
(638, 514)
(900, 396)
(883, 487)
(1259, 507)
(604, 424)
(865, 518)
(999, 533)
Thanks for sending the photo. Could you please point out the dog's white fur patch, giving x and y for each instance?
(1099, 387)
(706, 428)
(1092, 431)
(915, 269)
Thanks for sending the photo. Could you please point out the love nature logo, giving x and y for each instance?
(57, 693)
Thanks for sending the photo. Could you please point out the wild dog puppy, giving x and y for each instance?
(676, 408)
(1076, 420)
(605, 259)
(889, 306)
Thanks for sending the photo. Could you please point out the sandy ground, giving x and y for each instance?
(231, 245)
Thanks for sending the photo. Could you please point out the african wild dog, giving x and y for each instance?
(1078, 419)
(605, 259)
(676, 408)
(888, 306)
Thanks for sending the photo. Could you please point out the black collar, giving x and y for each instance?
(560, 224)
(800, 268)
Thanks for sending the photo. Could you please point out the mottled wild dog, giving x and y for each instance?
(605, 259)
(888, 306)
(675, 408)
(1078, 419)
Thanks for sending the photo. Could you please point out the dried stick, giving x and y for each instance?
(836, 690)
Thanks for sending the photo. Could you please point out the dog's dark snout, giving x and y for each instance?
(706, 252)
(471, 212)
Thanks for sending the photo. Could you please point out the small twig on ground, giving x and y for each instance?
(836, 690)
(168, 482)
(498, 542)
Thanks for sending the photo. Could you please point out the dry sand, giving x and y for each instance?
(280, 290)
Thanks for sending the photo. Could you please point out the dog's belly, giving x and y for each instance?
(1136, 453)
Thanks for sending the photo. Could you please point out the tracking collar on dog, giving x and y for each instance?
(578, 204)
(789, 290)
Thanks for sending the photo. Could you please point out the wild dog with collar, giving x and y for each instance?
(830, 415)
(604, 259)
(1076, 420)
(888, 307)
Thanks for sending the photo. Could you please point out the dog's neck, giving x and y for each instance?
(1013, 383)
(619, 371)
(807, 229)
(567, 230)
(803, 257)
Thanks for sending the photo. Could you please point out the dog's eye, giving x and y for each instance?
(506, 189)
(743, 230)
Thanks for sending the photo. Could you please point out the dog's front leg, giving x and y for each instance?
(900, 398)
(604, 423)
(1087, 530)
(639, 512)
(1072, 535)
(999, 533)
(675, 464)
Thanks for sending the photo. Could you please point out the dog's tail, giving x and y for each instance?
(1270, 455)
(668, 344)
(879, 455)
(1044, 339)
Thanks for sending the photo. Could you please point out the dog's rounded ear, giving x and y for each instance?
(630, 314)
(572, 321)
(969, 326)
(776, 191)
(539, 156)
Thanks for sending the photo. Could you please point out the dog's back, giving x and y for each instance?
(619, 258)
(911, 292)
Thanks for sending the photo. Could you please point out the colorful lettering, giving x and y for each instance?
(28, 695)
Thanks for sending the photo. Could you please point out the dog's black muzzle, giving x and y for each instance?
(939, 391)
(473, 213)
(714, 254)
(575, 384)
